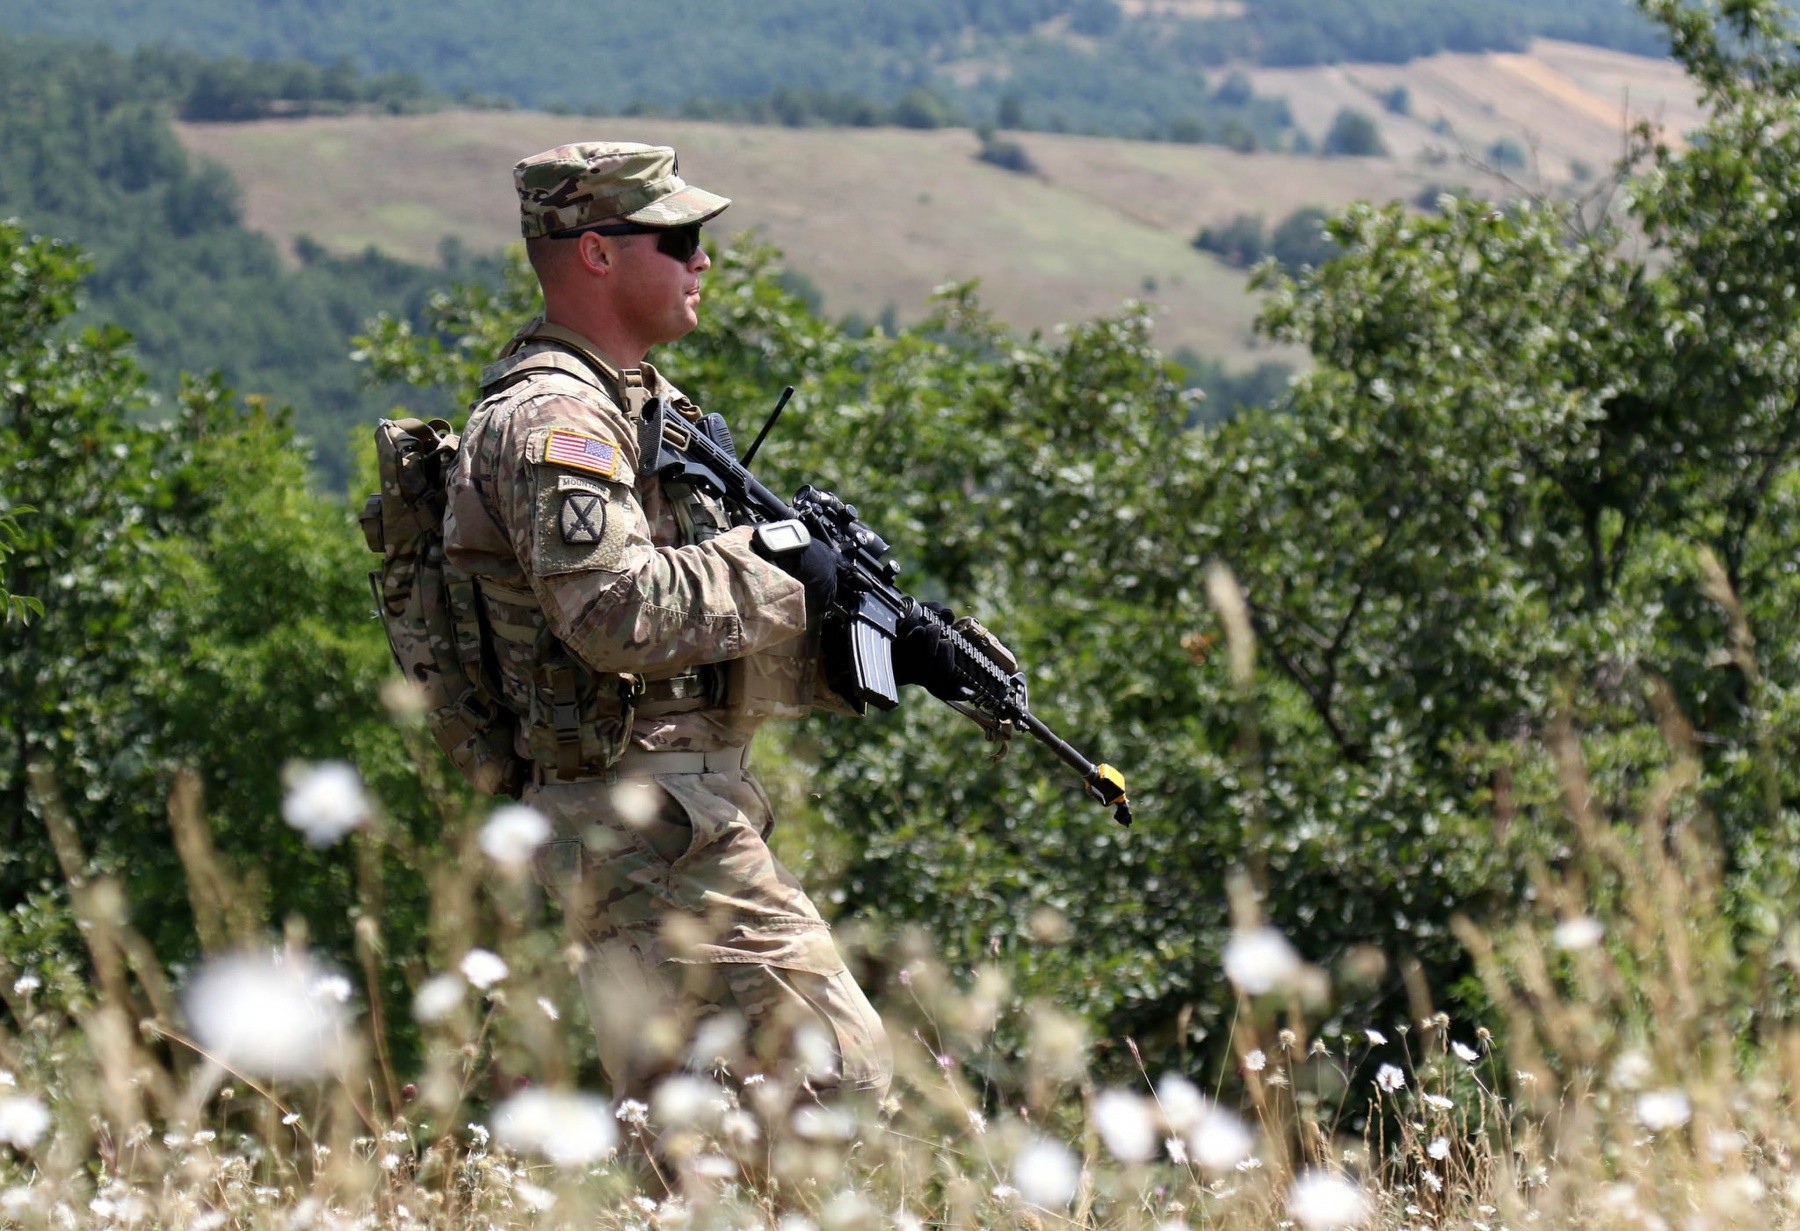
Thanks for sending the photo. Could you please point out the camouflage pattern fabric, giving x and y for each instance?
(684, 916)
(679, 910)
(579, 185)
(624, 596)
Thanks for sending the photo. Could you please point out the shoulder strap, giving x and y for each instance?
(627, 384)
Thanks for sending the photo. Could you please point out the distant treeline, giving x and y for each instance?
(172, 261)
(1078, 65)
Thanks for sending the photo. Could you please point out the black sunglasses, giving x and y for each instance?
(679, 242)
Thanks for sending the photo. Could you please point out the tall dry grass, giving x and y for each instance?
(1640, 1083)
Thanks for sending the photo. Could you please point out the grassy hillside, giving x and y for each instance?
(1059, 58)
(878, 217)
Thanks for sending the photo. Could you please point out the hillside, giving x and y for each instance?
(878, 217)
(1058, 59)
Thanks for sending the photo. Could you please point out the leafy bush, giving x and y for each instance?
(1353, 134)
(1241, 243)
(1007, 154)
(1302, 240)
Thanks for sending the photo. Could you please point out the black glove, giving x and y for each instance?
(923, 654)
(814, 566)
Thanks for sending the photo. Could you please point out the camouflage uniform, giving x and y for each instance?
(642, 640)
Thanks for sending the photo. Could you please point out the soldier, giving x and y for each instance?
(641, 638)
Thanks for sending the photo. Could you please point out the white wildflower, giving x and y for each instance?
(717, 1040)
(1177, 1151)
(1182, 1104)
(637, 802)
(566, 1127)
(1630, 1070)
(1438, 1101)
(848, 1211)
(264, 1014)
(1431, 1179)
(739, 1127)
(684, 1099)
(1465, 1053)
(1580, 932)
(483, 968)
(713, 1167)
(796, 1222)
(1375, 1037)
(1256, 1061)
(1219, 1140)
(324, 801)
(1046, 1173)
(437, 998)
(819, 1123)
(1390, 1078)
(815, 1055)
(26, 983)
(1259, 960)
(23, 1120)
(1126, 1125)
(333, 987)
(548, 1009)
(512, 834)
(1321, 1201)
(1663, 1109)
(906, 1220)
(977, 1122)
(532, 1197)
(634, 1113)
(1439, 1148)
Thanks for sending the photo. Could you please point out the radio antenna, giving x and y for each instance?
(780, 404)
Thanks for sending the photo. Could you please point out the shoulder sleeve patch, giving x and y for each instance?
(578, 523)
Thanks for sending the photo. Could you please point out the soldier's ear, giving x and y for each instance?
(596, 253)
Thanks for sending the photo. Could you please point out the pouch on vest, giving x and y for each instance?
(430, 611)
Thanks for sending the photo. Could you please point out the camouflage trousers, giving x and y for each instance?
(698, 950)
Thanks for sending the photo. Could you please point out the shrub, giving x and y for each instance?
(1353, 134)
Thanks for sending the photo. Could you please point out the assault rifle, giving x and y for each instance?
(870, 609)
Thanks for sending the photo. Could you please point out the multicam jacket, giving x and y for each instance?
(583, 562)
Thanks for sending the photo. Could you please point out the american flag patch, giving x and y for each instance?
(588, 453)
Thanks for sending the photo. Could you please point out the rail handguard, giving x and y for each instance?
(870, 609)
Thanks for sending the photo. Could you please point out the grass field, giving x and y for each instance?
(879, 217)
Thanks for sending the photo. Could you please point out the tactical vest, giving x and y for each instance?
(573, 720)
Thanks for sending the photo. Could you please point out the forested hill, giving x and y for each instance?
(170, 258)
(1044, 64)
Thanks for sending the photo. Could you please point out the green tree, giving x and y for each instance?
(14, 606)
(202, 608)
(1354, 134)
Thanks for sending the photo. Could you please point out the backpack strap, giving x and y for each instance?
(575, 356)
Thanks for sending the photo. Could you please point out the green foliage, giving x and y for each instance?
(1298, 240)
(1241, 243)
(1353, 133)
(1478, 516)
(1007, 154)
(172, 263)
(1301, 240)
(200, 608)
(1507, 154)
(14, 606)
(802, 62)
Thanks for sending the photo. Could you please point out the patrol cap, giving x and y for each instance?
(594, 181)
